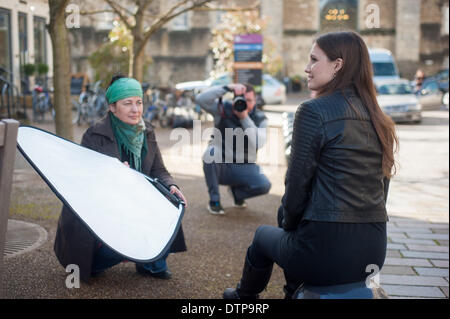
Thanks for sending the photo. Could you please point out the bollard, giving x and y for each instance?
(8, 141)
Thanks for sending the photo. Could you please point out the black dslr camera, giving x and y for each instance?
(239, 103)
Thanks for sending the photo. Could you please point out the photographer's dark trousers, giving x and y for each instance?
(246, 179)
(320, 253)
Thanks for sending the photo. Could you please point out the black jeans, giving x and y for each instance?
(321, 253)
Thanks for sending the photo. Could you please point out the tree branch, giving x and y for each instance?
(209, 7)
(122, 17)
(170, 14)
(85, 13)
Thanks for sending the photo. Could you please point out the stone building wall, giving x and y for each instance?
(434, 44)
(300, 25)
(410, 29)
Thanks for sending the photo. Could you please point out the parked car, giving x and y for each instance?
(273, 91)
(442, 78)
(383, 63)
(397, 99)
(430, 95)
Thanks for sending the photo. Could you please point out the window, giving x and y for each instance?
(181, 22)
(23, 39)
(338, 15)
(383, 69)
(5, 44)
(40, 47)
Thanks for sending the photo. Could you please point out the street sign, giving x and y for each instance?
(248, 67)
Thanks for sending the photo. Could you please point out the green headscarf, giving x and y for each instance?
(123, 88)
(131, 139)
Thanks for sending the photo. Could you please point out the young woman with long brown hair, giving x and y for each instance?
(333, 214)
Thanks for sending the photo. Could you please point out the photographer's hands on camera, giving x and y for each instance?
(239, 89)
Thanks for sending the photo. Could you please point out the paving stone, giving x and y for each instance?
(396, 246)
(399, 235)
(440, 231)
(422, 224)
(398, 270)
(445, 291)
(438, 272)
(413, 241)
(393, 253)
(426, 236)
(392, 261)
(422, 230)
(421, 254)
(442, 242)
(434, 248)
(413, 291)
(440, 263)
(415, 298)
(412, 280)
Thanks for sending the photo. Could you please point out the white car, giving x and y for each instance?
(397, 99)
(273, 91)
(383, 63)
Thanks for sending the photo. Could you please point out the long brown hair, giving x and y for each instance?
(357, 71)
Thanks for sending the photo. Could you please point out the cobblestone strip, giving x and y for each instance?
(417, 259)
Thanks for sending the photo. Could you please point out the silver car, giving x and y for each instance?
(273, 91)
(397, 99)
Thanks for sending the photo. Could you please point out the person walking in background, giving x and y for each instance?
(123, 134)
(418, 80)
(332, 218)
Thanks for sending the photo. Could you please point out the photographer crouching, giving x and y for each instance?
(240, 130)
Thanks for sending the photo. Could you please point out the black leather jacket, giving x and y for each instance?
(335, 172)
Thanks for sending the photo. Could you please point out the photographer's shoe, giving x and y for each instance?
(165, 274)
(215, 208)
(237, 203)
(240, 204)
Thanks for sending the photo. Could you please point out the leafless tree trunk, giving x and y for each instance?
(61, 68)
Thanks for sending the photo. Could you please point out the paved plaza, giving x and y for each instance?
(416, 265)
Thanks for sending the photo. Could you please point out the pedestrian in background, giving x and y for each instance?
(418, 80)
(333, 213)
(123, 134)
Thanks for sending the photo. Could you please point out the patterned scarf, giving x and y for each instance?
(130, 138)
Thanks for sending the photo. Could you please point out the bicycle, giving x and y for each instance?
(157, 109)
(41, 102)
(91, 105)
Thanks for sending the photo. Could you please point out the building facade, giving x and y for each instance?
(23, 37)
(415, 31)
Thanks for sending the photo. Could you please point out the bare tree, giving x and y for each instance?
(61, 68)
(143, 26)
(135, 22)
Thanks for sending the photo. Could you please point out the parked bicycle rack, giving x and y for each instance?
(11, 100)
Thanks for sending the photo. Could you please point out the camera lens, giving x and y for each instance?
(239, 103)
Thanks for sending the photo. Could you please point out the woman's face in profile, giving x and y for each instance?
(320, 69)
(128, 110)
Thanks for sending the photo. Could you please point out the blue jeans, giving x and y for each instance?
(246, 180)
(105, 258)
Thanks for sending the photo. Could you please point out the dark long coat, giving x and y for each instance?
(74, 242)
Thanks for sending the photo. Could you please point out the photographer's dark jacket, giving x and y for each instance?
(335, 172)
(74, 243)
(252, 130)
